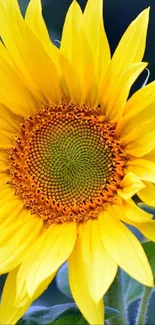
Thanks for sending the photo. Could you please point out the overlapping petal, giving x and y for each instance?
(125, 249)
(92, 311)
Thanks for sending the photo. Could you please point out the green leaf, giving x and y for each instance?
(62, 281)
(149, 248)
(110, 312)
(132, 289)
(66, 314)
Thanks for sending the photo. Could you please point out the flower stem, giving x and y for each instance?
(115, 298)
(141, 317)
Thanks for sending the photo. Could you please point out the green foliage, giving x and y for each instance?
(149, 248)
(66, 314)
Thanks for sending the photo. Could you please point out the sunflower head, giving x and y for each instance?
(74, 150)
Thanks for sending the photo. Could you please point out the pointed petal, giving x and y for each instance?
(21, 42)
(16, 240)
(147, 194)
(76, 59)
(10, 310)
(130, 185)
(143, 168)
(95, 32)
(112, 99)
(49, 252)
(125, 249)
(129, 210)
(132, 44)
(20, 100)
(141, 99)
(139, 108)
(36, 22)
(92, 311)
(133, 215)
(100, 268)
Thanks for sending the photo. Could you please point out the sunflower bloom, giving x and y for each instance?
(73, 152)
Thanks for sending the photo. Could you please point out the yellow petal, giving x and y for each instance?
(20, 100)
(95, 32)
(132, 45)
(139, 108)
(130, 185)
(150, 155)
(11, 310)
(93, 312)
(9, 212)
(16, 240)
(141, 139)
(143, 168)
(147, 194)
(130, 50)
(100, 268)
(148, 229)
(76, 59)
(133, 215)
(112, 99)
(4, 177)
(36, 22)
(49, 252)
(8, 120)
(125, 249)
(129, 210)
(36, 67)
(141, 99)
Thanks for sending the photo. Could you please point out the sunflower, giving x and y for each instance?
(73, 153)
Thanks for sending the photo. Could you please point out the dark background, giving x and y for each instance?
(117, 16)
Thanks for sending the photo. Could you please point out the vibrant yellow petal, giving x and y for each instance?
(100, 268)
(139, 108)
(4, 177)
(9, 212)
(130, 185)
(132, 44)
(95, 32)
(134, 216)
(143, 168)
(141, 99)
(49, 252)
(36, 22)
(148, 229)
(125, 249)
(16, 240)
(92, 311)
(9, 119)
(129, 210)
(36, 67)
(130, 50)
(76, 59)
(20, 101)
(147, 194)
(12, 310)
(150, 155)
(112, 99)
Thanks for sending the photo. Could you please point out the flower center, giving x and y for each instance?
(66, 163)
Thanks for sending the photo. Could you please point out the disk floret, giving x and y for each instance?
(66, 163)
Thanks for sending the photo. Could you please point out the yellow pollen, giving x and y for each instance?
(66, 163)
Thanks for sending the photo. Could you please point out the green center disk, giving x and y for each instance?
(70, 161)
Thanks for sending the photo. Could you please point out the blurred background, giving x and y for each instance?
(117, 16)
